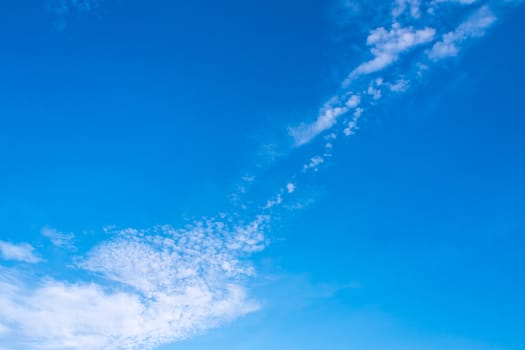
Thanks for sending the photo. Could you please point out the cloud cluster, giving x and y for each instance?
(154, 286)
(328, 116)
(23, 252)
(429, 43)
(388, 45)
(474, 26)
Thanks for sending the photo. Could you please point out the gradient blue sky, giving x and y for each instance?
(331, 174)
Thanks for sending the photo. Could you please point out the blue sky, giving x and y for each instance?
(333, 174)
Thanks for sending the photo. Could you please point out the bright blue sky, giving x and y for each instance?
(253, 175)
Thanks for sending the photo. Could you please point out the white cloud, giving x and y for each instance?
(290, 187)
(248, 178)
(305, 133)
(3, 330)
(400, 85)
(331, 111)
(18, 252)
(59, 239)
(474, 26)
(353, 101)
(157, 286)
(374, 92)
(461, 2)
(273, 202)
(352, 124)
(400, 6)
(314, 163)
(388, 45)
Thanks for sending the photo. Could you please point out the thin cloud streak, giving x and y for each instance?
(23, 252)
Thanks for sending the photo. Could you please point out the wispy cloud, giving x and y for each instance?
(59, 239)
(400, 6)
(155, 286)
(475, 26)
(416, 28)
(328, 116)
(63, 9)
(18, 252)
(314, 163)
(388, 44)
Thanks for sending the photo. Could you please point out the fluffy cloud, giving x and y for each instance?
(388, 45)
(331, 111)
(18, 252)
(474, 26)
(155, 286)
(352, 124)
(314, 163)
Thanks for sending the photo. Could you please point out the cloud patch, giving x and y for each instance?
(152, 286)
(59, 239)
(475, 26)
(22, 252)
(388, 45)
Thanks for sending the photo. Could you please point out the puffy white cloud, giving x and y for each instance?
(155, 286)
(314, 163)
(352, 124)
(18, 252)
(331, 111)
(474, 26)
(388, 45)
(353, 101)
(290, 187)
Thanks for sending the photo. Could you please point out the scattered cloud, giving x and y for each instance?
(248, 178)
(352, 124)
(155, 286)
(461, 2)
(290, 187)
(400, 6)
(474, 26)
(314, 163)
(59, 239)
(304, 133)
(353, 101)
(23, 252)
(332, 110)
(374, 92)
(273, 202)
(64, 7)
(388, 45)
(400, 85)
